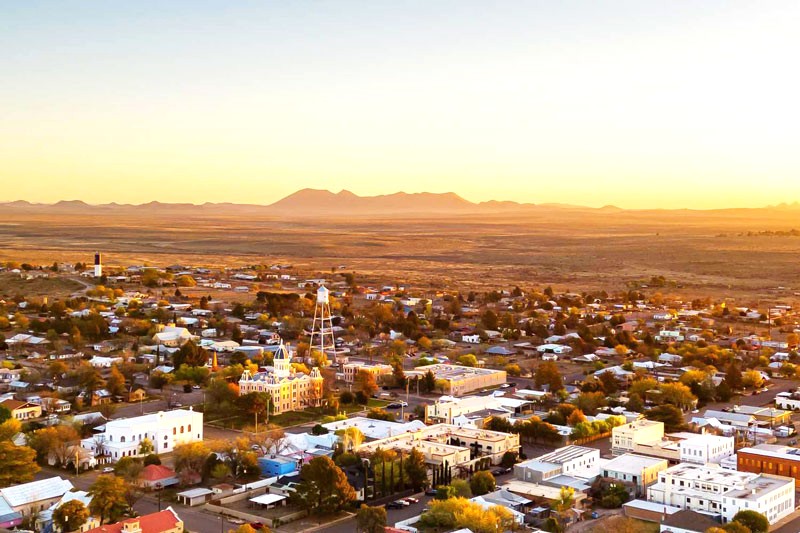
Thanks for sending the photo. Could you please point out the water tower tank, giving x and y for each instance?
(322, 295)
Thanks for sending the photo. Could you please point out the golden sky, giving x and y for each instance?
(636, 104)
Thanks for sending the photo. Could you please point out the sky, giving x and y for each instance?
(638, 104)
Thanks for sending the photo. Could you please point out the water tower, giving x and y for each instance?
(322, 337)
(98, 266)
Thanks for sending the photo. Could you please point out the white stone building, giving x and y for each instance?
(712, 490)
(706, 448)
(165, 430)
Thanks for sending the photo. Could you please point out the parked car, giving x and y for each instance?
(196, 387)
(108, 470)
(236, 521)
(393, 406)
(430, 492)
(395, 505)
(411, 499)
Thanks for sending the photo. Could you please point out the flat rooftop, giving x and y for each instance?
(631, 463)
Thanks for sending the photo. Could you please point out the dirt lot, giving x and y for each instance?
(703, 253)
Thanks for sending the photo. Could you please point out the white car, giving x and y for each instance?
(108, 470)
(403, 404)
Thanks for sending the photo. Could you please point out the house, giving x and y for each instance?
(473, 338)
(194, 497)
(55, 405)
(686, 521)
(723, 493)
(45, 518)
(156, 477)
(136, 393)
(31, 498)
(166, 521)
(172, 337)
(101, 397)
(99, 361)
(22, 410)
(553, 349)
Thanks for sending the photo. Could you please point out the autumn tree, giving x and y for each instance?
(371, 519)
(109, 498)
(548, 374)
(18, 462)
(115, 384)
(366, 382)
(189, 458)
(71, 515)
(671, 416)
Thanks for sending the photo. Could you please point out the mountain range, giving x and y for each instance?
(316, 202)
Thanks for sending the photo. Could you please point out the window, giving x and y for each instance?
(181, 429)
(122, 439)
(174, 431)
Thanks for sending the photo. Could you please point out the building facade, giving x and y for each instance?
(164, 430)
(770, 459)
(351, 370)
(706, 448)
(637, 471)
(624, 438)
(289, 390)
(712, 490)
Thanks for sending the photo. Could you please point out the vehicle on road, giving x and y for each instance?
(196, 387)
(236, 521)
(411, 499)
(108, 470)
(396, 505)
(430, 492)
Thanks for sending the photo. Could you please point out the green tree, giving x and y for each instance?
(190, 354)
(323, 487)
(461, 488)
(128, 468)
(755, 521)
(146, 447)
(671, 416)
(5, 414)
(371, 519)
(109, 498)
(468, 360)
(71, 515)
(482, 482)
(416, 470)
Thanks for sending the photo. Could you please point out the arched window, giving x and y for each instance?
(174, 431)
(181, 429)
(122, 439)
(189, 429)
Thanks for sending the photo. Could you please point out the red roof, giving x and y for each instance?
(165, 520)
(156, 473)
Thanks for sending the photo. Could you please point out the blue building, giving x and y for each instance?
(276, 466)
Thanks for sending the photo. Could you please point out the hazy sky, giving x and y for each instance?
(638, 104)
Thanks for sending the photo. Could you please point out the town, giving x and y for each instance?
(141, 398)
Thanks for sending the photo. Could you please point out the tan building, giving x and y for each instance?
(462, 444)
(351, 370)
(289, 390)
(463, 379)
(625, 438)
(22, 410)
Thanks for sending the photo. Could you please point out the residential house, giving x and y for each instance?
(22, 410)
(635, 471)
(156, 477)
(31, 498)
(166, 521)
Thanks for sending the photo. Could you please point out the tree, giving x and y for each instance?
(677, 394)
(255, 403)
(366, 381)
(453, 513)
(189, 458)
(350, 438)
(323, 487)
(71, 515)
(562, 505)
(371, 519)
(468, 360)
(547, 374)
(482, 482)
(159, 380)
(19, 463)
(115, 382)
(109, 498)
(416, 470)
(5, 414)
(489, 320)
(146, 447)
(190, 354)
(461, 488)
(128, 468)
(755, 521)
(752, 379)
(671, 416)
